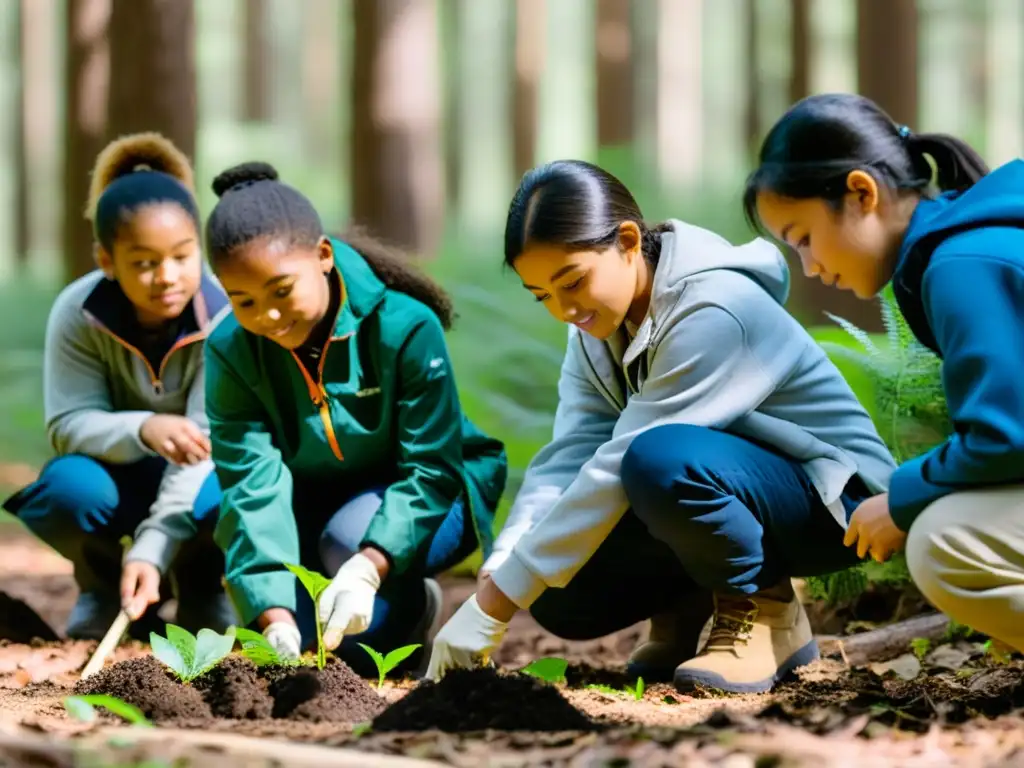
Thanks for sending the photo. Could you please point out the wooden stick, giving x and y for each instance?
(107, 644)
(886, 642)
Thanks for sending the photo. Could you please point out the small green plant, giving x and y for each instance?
(257, 649)
(997, 652)
(550, 669)
(188, 655)
(386, 663)
(315, 585)
(920, 646)
(636, 690)
(84, 708)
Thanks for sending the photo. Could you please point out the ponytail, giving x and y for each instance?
(958, 167)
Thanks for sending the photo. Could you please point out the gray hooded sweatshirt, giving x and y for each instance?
(717, 349)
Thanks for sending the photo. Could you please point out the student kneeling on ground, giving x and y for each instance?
(336, 427)
(703, 445)
(123, 397)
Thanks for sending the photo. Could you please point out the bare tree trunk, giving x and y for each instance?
(256, 102)
(887, 56)
(800, 50)
(615, 97)
(22, 213)
(397, 166)
(752, 111)
(530, 47)
(88, 80)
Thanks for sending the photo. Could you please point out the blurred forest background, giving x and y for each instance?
(415, 119)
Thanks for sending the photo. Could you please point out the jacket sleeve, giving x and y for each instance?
(429, 437)
(981, 375)
(171, 520)
(704, 373)
(256, 528)
(584, 421)
(76, 398)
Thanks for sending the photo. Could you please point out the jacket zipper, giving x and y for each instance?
(318, 395)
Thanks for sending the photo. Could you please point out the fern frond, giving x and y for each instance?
(858, 334)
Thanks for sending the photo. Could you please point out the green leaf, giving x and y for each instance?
(184, 641)
(82, 708)
(210, 649)
(639, 693)
(378, 659)
(165, 651)
(399, 655)
(249, 638)
(314, 582)
(551, 669)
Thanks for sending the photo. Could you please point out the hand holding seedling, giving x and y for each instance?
(467, 640)
(140, 587)
(872, 529)
(346, 605)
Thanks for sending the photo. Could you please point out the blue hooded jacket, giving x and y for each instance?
(959, 282)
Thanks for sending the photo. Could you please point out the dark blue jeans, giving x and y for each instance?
(330, 532)
(710, 512)
(82, 507)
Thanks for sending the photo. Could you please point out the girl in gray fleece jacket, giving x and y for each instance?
(705, 449)
(123, 399)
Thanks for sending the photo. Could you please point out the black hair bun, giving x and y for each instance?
(242, 176)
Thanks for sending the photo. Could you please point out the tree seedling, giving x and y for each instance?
(315, 584)
(386, 663)
(550, 669)
(920, 646)
(257, 649)
(188, 655)
(84, 708)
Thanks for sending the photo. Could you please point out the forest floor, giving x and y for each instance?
(947, 704)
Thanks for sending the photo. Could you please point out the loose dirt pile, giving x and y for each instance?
(482, 699)
(237, 690)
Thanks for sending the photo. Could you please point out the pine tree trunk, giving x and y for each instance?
(887, 56)
(530, 46)
(88, 81)
(256, 91)
(752, 110)
(800, 50)
(153, 71)
(22, 212)
(615, 99)
(397, 166)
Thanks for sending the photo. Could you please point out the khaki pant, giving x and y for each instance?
(966, 554)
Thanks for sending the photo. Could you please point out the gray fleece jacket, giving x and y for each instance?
(98, 389)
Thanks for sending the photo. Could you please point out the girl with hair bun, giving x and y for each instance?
(336, 427)
(123, 402)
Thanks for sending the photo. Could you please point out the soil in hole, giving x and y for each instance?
(333, 694)
(481, 699)
(233, 689)
(147, 684)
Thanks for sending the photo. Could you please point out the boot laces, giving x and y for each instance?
(734, 623)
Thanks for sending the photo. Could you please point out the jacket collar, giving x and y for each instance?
(361, 290)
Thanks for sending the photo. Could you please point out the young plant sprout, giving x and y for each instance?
(257, 649)
(188, 655)
(315, 584)
(84, 708)
(386, 663)
(550, 669)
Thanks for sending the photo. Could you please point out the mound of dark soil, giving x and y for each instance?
(333, 694)
(481, 699)
(236, 690)
(147, 684)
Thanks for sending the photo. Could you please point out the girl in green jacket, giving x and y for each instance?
(336, 428)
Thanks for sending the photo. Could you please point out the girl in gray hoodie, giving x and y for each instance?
(705, 450)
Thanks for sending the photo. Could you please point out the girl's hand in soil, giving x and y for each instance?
(467, 640)
(872, 529)
(140, 587)
(176, 438)
(346, 606)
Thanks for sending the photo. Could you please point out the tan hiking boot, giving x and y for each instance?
(754, 643)
(674, 637)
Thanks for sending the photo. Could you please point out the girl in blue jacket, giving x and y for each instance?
(854, 194)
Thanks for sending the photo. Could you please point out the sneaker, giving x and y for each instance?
(755, 642)
(674, 637)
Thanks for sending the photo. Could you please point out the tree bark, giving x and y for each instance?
(530, 46)
(22, 212)
(800, 50)
(397, 164)
(256, 92)
(615, 99)
(88, 80)
(887, 56)
(752, 106)
(152, 61)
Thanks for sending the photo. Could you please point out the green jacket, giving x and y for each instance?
(388, 407)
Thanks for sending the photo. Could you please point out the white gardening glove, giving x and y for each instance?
(346, 606)
(285, 639)
(467, 640)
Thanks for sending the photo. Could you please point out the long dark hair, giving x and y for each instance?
(575, 204)
(811, 150)
(254, 204)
